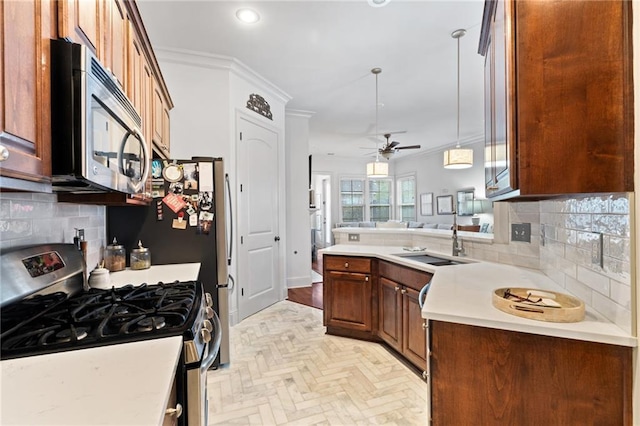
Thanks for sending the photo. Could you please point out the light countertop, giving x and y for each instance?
(121, 384)
(462, 294)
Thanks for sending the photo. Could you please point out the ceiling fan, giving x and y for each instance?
(391, 148)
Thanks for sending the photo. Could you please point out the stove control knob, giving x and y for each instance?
(208, 299)
(205, 335)
(207, 325)
(209, 312)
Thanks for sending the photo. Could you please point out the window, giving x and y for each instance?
(380, 200)
(407, 198)
(352, 200)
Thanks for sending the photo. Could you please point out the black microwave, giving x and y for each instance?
(96, 134)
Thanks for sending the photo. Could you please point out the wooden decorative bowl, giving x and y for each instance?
(541, 305)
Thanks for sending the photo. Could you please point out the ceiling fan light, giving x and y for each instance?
(377, 169)
(458, 158)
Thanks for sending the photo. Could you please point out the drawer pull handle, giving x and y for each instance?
(4, 153)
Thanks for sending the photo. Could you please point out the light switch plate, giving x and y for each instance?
(521, 232)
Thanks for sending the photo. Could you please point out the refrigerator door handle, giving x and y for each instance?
(230, 229)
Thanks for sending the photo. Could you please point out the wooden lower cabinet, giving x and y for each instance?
(349, 289)
(486, 376)
(401, 324)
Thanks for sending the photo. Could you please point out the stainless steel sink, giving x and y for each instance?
(430, 260)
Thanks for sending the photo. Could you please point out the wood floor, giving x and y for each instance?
(285, 370)
(310, 296)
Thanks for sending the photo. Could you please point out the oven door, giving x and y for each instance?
(196, 399)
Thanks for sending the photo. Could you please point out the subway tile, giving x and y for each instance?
(5, 208)
(617, 247)
(592, 205)
(14, 229)
(619, 203)
(23, 209)
(67, 209)
(578, 221)
(597, 282)
(617, 270)
(16, 196)
(612, 311)
(621, 294)
(612, 224)
(50, 198)
(49, 227)
(579, 290)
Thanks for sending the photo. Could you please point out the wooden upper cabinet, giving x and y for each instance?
(25, 115)
(134, 78)
(160, 121)
(114, 47)
(81, 21)
(559, 97)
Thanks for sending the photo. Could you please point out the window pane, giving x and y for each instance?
(352, 200)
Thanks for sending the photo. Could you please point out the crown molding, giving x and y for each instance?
(220, 62)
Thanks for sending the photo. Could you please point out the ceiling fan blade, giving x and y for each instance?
(409, 147)
(393, 144)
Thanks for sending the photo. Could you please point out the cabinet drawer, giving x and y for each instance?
(347, 264)
(401, 274)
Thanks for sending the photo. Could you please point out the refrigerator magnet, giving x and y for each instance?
(205, 200)
(179, 223)
(206, 220)
(190, 172)
(205, 176)
(172, 173)
(156, 169)
(175, 202)
(193, 220)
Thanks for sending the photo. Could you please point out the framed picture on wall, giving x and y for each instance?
(444, 204)
(426, 204)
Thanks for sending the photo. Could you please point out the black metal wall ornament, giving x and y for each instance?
(258, 104)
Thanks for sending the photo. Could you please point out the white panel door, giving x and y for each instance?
(258, 199)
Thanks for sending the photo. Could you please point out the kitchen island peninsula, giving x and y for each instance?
(486, 366)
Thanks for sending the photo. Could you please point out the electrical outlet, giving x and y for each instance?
(521, 232)
(354, 237)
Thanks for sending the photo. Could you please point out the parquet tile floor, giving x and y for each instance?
(285, 370)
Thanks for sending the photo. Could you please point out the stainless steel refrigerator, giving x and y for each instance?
(186, 222)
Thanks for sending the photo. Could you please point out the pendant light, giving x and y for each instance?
(458, 158)
(377, 169)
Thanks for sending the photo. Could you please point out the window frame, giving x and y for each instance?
(398, 201)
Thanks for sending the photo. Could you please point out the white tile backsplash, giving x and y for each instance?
(32, 218)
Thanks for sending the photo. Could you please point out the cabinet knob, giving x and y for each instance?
(397, 288)
(403, 291)
(424, 325)
(366, 279)
(4, 153)
(346, 264)
(425, 375)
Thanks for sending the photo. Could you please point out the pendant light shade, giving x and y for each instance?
(377, 169)
(458, 158)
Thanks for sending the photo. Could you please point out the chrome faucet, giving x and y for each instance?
(458, 245)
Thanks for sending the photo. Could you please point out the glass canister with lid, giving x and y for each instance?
(114, 257)
(140, 257)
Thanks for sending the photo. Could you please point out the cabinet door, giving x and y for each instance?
(414, 338)
(135, 69)
(166, 129)
(25, 101)
(80, 21)
(114, 51)
(158, 111)
(349, 300)
(390, 318)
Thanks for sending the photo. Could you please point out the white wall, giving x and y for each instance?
(209, 92)
(298, 254)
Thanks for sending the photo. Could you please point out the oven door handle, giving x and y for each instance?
(214, 343)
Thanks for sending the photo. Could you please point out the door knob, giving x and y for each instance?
(276, 239)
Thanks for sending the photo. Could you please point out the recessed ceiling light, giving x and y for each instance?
(378, 3)
(248, 16)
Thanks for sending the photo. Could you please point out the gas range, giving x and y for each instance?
(47, 308)
(59, 321)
